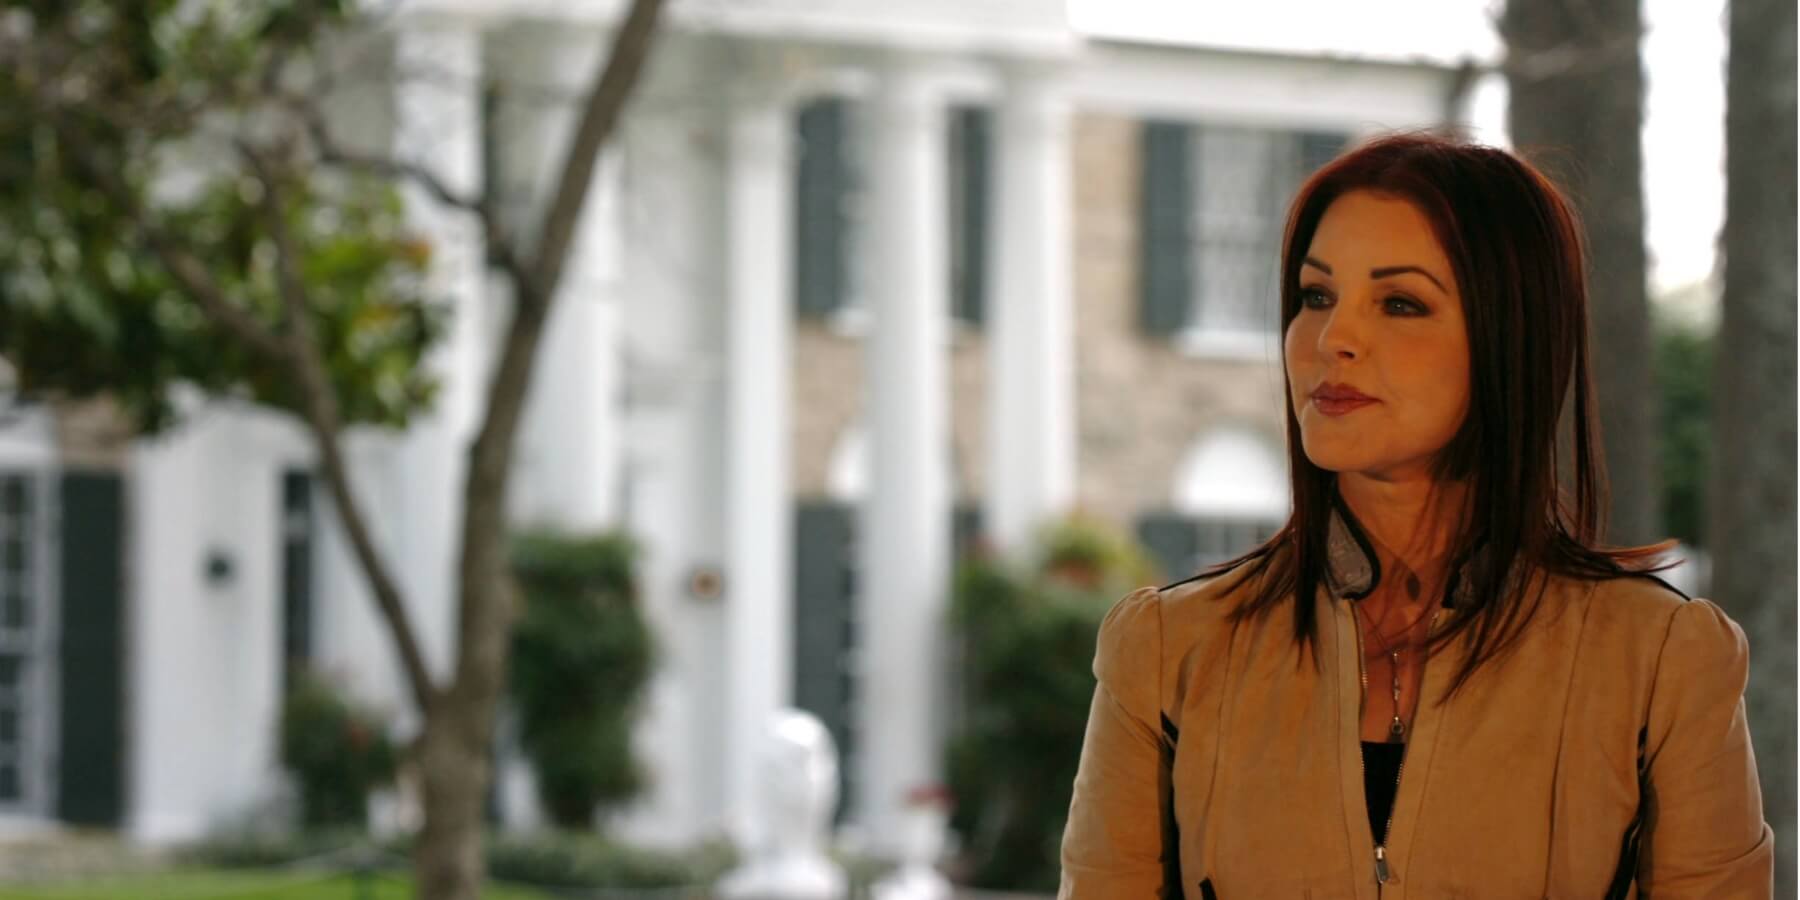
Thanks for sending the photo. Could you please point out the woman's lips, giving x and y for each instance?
(1335, 407)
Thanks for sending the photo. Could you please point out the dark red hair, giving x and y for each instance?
(1517, 254)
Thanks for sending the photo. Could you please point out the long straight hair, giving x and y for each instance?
(1517, 254)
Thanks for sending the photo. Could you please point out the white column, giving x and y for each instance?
(576, 450)
(437, 110)
(759, 543)
(904, 544)
(1031, 406)
(437, 122)
(569, 443)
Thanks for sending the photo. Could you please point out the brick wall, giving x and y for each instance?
(1141, 402)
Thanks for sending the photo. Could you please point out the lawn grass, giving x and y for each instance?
(243, 884)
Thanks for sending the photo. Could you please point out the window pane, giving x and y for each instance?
(13, 501)
(9, 781)
(1245, 179)
(9, 725)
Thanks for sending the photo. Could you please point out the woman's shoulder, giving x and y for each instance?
(1657, 622)
(1210, 593)
(1631, 600)
(1162, 623)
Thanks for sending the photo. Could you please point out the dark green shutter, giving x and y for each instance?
(1173, 540)
(90, 774)
(1318, 148)
(296, 530)
(825, 626)
(1166, 244)
(971, 143)
(822, 184)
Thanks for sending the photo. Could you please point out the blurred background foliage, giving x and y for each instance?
(336, 751)
(1027, 642)
(86, 183)
(582, 656)
(1684, 371)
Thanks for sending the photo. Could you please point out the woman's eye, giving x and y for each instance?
(1313, 298)
(1404, 306)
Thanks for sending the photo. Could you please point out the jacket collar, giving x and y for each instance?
(1353, 570)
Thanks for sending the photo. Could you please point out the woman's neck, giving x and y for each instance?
(1412, 523)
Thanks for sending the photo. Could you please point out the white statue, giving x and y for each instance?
(797, 774)
(923, 822)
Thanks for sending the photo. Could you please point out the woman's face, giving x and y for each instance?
(1378, 357)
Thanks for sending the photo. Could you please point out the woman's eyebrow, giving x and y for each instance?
(1385, 271)
(1382, 272)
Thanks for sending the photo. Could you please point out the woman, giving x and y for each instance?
(1432, 682)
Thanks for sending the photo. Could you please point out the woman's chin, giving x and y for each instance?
(1337, 455)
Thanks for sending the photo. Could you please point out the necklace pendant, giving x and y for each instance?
(1398, 729)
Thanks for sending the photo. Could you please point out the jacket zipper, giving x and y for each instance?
(1362, 671)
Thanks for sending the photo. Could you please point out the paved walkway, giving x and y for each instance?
(57, 854)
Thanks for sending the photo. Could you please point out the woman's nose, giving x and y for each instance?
(1342, 335)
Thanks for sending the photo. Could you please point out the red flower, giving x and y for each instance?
(931, 795)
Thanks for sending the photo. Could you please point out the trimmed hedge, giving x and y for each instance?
(581, 657)
(336, 751)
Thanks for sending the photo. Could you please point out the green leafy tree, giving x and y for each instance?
(176, 210)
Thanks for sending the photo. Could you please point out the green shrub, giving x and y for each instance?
(244, 849)
(1088, 553)
(1028, 646)
(554, 859)
(581, 657)
(587, 860)
(336, 752)
(1684, 370)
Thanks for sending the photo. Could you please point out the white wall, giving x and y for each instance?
(204, 667)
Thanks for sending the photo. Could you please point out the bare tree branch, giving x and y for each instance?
(483, 624)
(292, 292)
(320, 409)
(631, 47)
(332, 153)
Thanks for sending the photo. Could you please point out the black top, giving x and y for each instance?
(1381, 774)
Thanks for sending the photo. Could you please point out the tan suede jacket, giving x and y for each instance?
(1219, 764)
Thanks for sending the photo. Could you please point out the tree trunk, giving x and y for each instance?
(1576, 112)
(455, 750)
(1752, 530)
(454, 768)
